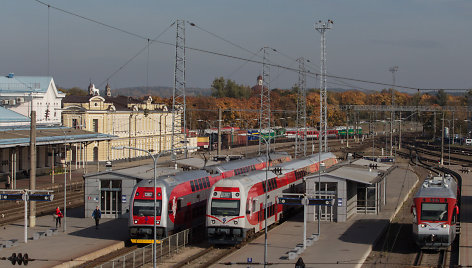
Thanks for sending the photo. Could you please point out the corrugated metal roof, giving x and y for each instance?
(22, 84)
(19, 136)
(9, 116)
(366, 163)
(359, 174)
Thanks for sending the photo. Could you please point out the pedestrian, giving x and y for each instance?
(8, 183)
(58, 216)
(96, 214)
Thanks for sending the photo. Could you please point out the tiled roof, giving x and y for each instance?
(24, 84)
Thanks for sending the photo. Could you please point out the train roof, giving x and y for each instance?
(438, 186)
(220, 168)
(260, 175)
(174, 179)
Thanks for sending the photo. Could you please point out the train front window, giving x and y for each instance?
(144, 207)
(224, 207)
(434, 211)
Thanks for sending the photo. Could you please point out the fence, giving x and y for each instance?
(141, 256)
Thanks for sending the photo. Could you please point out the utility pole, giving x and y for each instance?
(301, 108)
(32, 216)
(442, 140)
(178, 93)
(393, 70)
(434, 130)
(322, 27)
(219, 130)
(264, 116)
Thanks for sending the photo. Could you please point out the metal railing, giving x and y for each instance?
(139, 257)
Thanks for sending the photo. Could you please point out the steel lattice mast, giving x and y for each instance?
(264, 116)
(393, 70)
(178, 93)
(322, 27)
(301, 109)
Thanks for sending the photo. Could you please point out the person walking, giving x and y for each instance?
(58, 215)
(96, 214)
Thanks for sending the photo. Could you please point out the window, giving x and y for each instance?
(75, 123)
(207, 181)
(144, 207)
(200, 183)
(224, 207)
(192, 185)
(196, 185)
(95, 125)
(434, 211)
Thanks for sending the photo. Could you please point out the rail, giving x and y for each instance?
(141, 256)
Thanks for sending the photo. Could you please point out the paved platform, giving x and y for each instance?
(348, 243)
(81, 241)
(465, 241)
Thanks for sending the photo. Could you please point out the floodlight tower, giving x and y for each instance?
(264, 116)
(393, 70)
(322, 27)
(178, 93)
(301, 108)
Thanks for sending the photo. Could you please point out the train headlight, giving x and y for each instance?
(235, 222)
(135, 221)
(213, 221)
(423, 225)
(215, 193)
(237, 194)
(443, 225)
(158, 222)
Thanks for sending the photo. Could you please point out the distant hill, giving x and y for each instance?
(164, 92)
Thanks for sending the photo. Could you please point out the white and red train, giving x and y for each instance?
(436, 212)
(181, 198)
(235, 210)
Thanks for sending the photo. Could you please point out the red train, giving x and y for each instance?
(181, 198)
(436, 212)
(235, 210)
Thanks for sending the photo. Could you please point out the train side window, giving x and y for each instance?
(192, 186)
(196, 185)
(264, 186)
(208, 182)
(275, 183)
(200, 183)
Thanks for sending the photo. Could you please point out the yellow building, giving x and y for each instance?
(137, 123)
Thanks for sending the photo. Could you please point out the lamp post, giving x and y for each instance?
(155, 159)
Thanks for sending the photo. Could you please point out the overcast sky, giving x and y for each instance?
(430, 41)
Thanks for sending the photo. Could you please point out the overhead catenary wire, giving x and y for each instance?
(309, 73)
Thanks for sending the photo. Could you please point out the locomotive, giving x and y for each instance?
(235, 210)
(181, 197)
(436, 212)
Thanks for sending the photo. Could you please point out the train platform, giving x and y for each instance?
(80, 242)
(465, 241)
(340, 243)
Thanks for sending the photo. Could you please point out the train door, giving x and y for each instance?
(110, 198)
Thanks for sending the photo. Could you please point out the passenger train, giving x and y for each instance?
(235, 210)
(181, 198)
(436, 212)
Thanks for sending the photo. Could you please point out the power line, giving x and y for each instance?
(313, 74)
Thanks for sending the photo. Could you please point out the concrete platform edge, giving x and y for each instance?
(91, 256)
(366, 255)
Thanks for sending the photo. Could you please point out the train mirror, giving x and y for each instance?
(248, 212)
(171, 212)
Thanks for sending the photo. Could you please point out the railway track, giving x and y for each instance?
(15, 211)
(429, 258)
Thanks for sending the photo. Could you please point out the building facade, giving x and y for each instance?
(23, 93)
(141, 124)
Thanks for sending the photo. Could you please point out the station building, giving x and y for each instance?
(142, 124)
(356, 187)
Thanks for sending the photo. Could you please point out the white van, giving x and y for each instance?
(468, 141)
